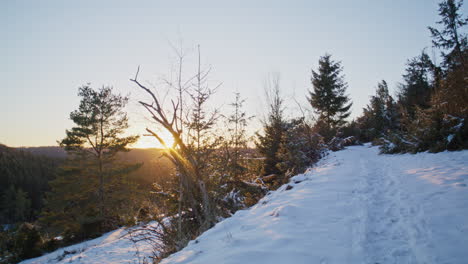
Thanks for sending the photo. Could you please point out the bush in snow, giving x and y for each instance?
(299, 147)
(27, 242)
(338, 143)
(430, 131)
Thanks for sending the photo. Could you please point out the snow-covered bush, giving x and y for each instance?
(300, 147)
(338, 143)
(430, 131)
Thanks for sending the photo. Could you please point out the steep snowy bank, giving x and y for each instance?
(112, 247)
(355, 206)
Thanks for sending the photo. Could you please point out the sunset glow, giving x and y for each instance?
(146, 141)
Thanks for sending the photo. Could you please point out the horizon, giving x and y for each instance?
(53, 48)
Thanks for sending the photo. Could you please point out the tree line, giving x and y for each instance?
(430, 110)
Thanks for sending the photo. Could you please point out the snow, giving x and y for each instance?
(112, 247)
(355, 206)
(450, 138)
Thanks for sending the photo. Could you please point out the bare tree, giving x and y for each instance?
(192, 147)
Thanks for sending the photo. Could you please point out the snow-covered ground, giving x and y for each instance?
(355, 206)
(112, 247)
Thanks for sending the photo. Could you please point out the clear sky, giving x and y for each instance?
(49, 48)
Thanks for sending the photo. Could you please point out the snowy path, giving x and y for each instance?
(388, 224)
(355, 206)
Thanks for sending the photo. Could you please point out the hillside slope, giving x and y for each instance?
(355, 206)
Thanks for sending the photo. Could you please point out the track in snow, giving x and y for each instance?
(389, 221)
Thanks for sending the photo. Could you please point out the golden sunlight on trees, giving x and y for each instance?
(193, 143)
(213, 170)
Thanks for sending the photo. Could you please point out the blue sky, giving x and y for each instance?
(50, 48)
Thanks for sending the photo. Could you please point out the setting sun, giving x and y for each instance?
(151, 142)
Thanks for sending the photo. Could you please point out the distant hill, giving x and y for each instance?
(155, 168)
(134, 155)
(48, 151)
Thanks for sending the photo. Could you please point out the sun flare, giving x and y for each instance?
(152, 142)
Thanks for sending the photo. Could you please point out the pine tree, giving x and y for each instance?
(328, 97)
(237, 141)
(416, 89)
(15, 205)
(268, 144)
(92, 187)
(380, 115)
(450, 39)
(450, 95)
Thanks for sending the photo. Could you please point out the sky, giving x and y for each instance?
(50, 48)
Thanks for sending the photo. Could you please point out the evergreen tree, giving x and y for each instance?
(268, 144)
(451, 94)
(380, 115)
(450, 39)
(15, 205)
(416, 89)
(237, 141)
(92, 188)
(328, 97)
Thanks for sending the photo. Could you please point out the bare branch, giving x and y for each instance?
(138, 71)
(157, 137)
(155, 99)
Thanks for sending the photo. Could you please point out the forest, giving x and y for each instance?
(210, 165)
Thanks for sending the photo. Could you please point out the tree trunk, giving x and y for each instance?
(101, 188)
